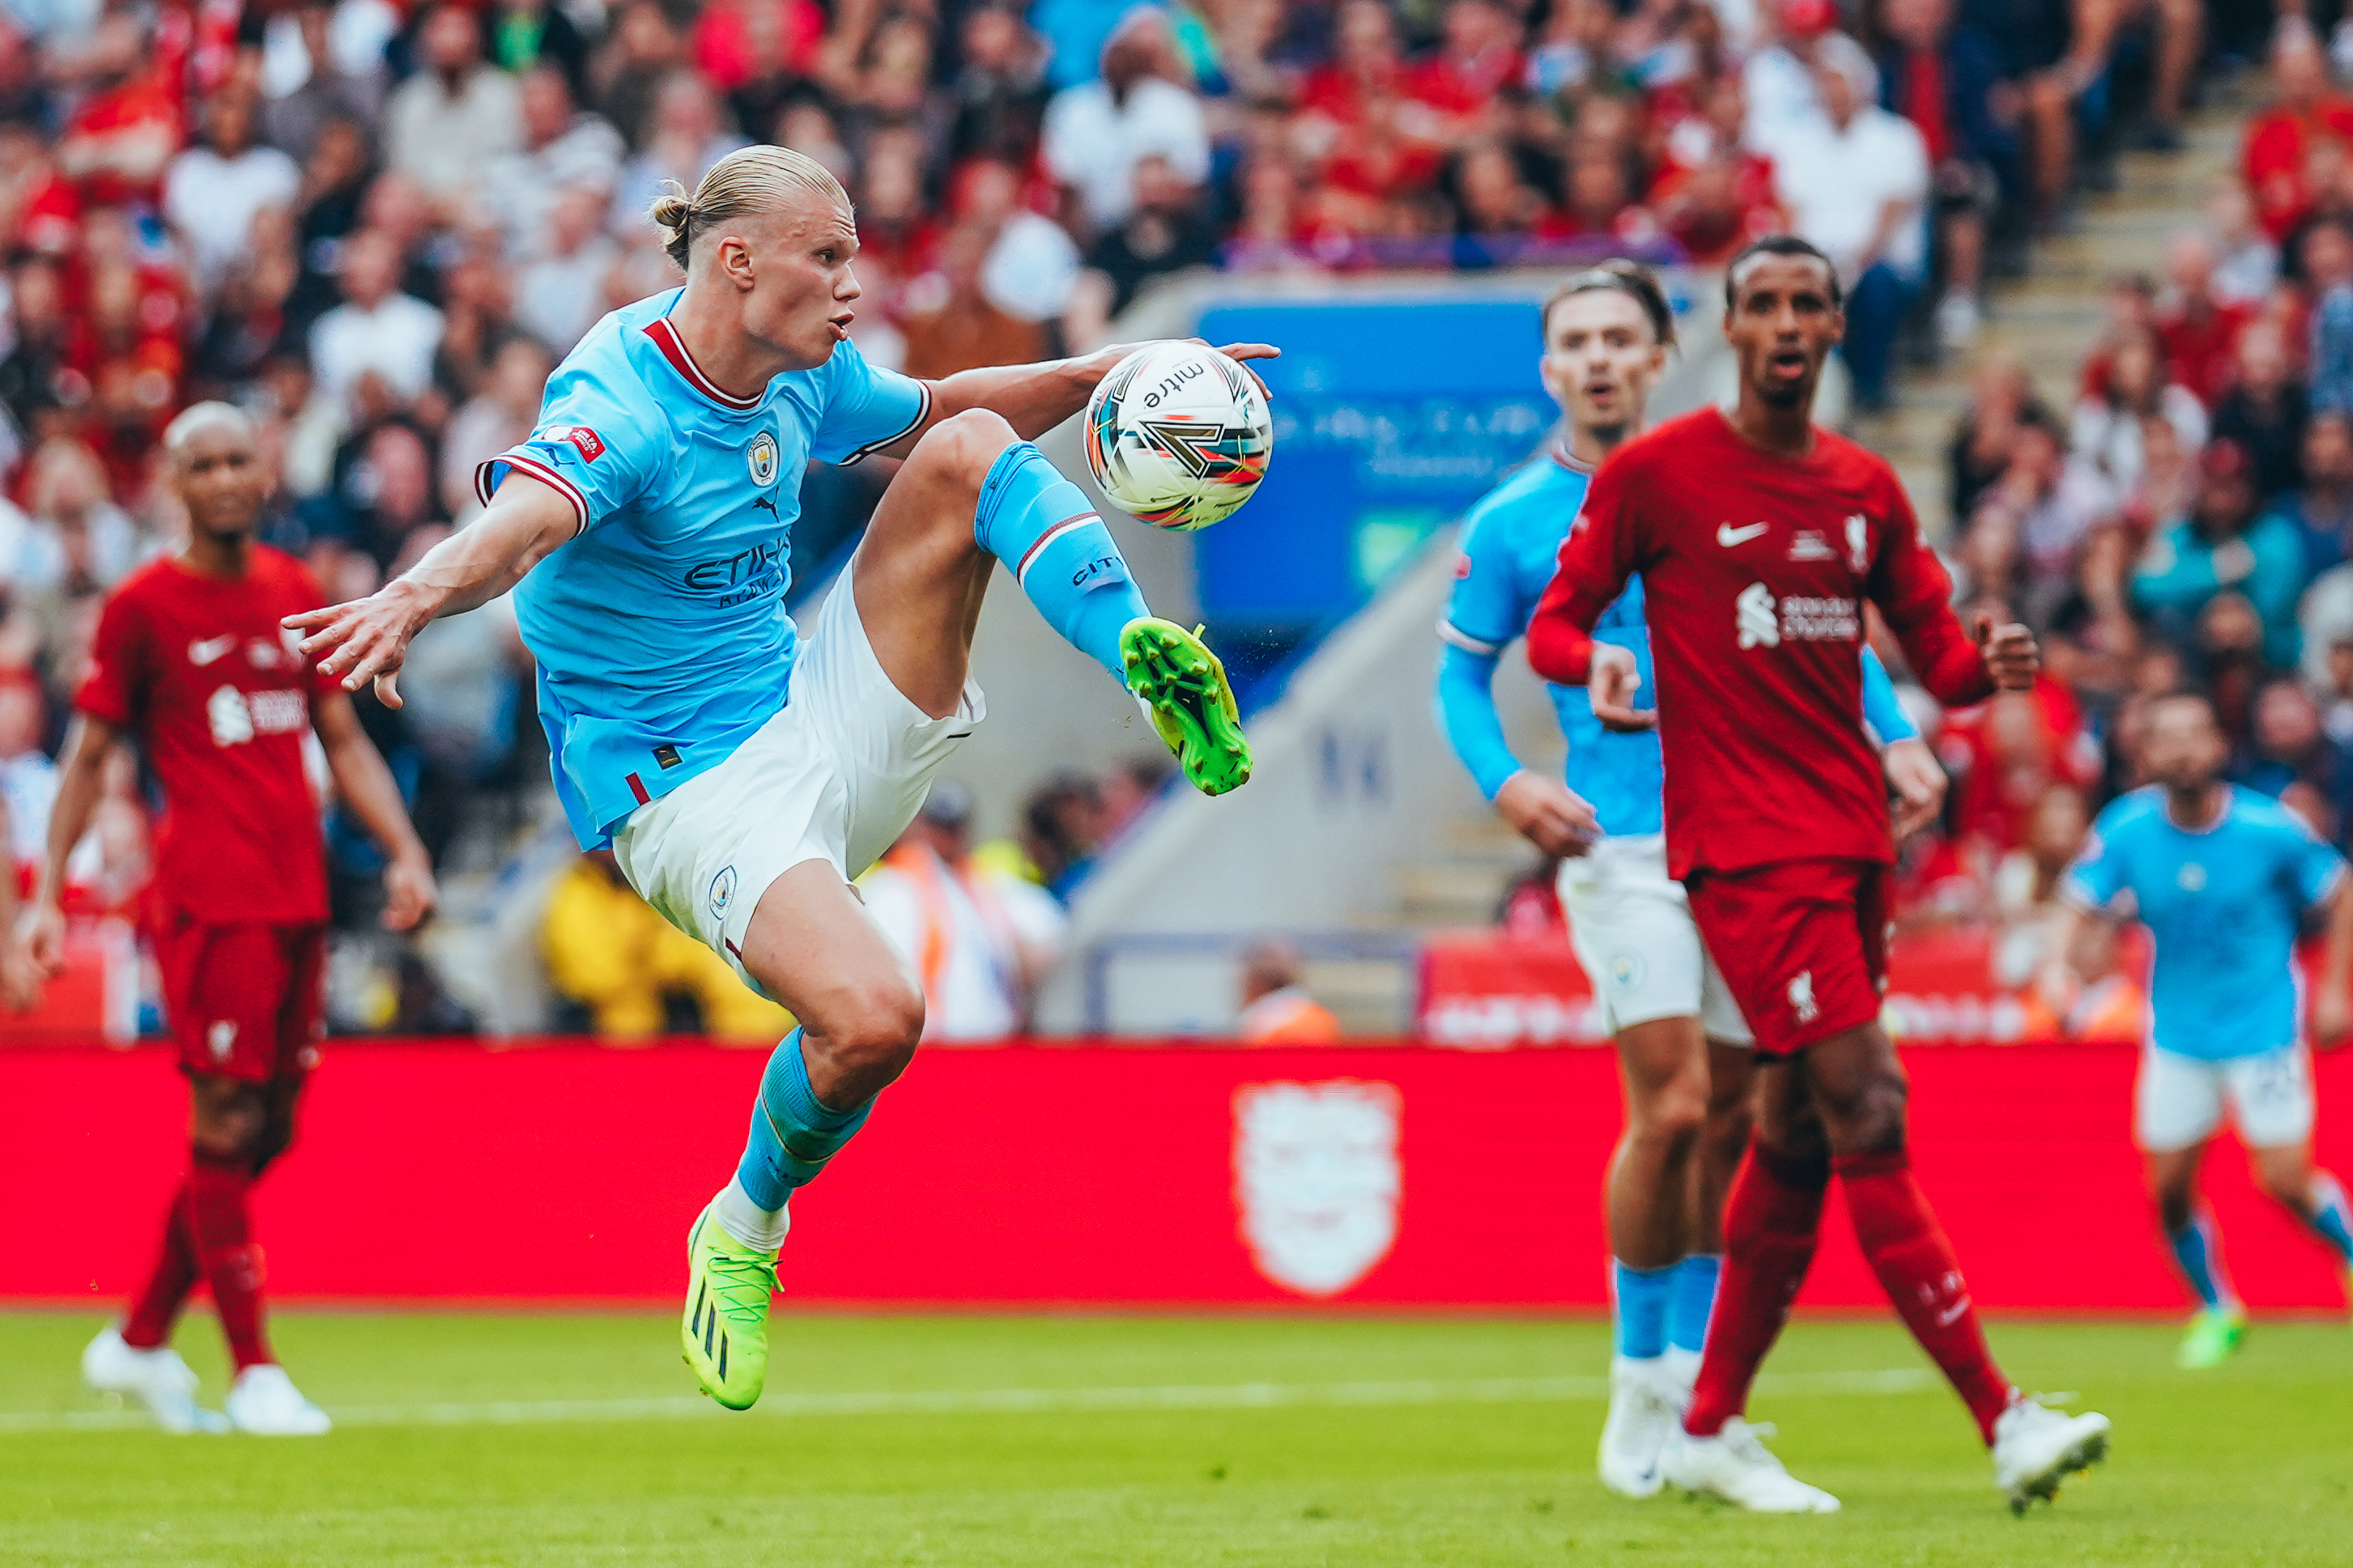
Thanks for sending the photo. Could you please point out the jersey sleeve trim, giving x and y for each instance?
(922, 411)
(487, 478)
(1447, 632)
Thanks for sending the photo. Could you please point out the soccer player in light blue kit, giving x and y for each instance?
(2224, 878)
(743, 772)
(1682, 1044)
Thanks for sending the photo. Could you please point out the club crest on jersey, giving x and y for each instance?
(1316, 1180)
(723, 893)
(762, 459)
(1801, 997)
(1858, 542)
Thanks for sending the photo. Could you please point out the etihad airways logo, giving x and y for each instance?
(1763, 621)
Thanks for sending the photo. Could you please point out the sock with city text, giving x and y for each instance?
(1908, 1250)
(793, 1133)
(1641, 1297)
(1046, 530)
(157, 1306)
(2329, 1215)
(222, 1230)
(1695, 1300)
(2194, 1250)
(1772, 1219)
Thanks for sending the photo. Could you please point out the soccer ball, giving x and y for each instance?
(1178, 435)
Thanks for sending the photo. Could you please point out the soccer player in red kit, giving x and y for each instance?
(1759, 537)
(190, 663)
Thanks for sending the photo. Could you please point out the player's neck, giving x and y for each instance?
(1785, 431)
(1592, 448)
(737, 362)
(223, 557)
(2197, 809)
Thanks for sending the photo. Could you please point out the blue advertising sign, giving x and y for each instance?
(1389, 419)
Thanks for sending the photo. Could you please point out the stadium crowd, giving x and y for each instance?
(376, 228)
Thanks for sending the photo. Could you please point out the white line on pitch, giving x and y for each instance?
(1012, 1401)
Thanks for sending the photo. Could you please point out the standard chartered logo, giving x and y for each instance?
(1761, 617)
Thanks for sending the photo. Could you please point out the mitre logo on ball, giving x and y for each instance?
(1316, 1180)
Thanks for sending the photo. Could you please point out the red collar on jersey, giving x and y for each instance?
(674, 349)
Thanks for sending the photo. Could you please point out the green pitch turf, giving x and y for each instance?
(477, 1439)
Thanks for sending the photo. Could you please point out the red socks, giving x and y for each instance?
(232, 1263)
(1771, 1220)
(176, 1271)
(1915, 1265)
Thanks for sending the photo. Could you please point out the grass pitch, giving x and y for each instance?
(477, 1439)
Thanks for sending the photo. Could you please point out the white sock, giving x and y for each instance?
(1683, 1367)
(762, 1230)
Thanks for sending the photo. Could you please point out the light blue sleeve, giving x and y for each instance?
(2100, 873)
(1483, 614)
(1881, 710)
(865, 408)
(2317, 866)
(599, 441)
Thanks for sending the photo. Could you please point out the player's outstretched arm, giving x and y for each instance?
(367, 640)
(366, 786)
(80, 781)
(1034, 398)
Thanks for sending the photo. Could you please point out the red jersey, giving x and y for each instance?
(1754, 567)
(199, 671)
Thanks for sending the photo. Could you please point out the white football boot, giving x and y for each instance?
(157, 1378)
(1735, 1465)
(1642, 1415)
(264, 1401)
(2036, 1447)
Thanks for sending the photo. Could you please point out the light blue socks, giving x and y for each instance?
(1043, 527)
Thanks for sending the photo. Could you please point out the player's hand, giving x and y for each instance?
(2011, 654)
(1548, 814)
(1611, 680)
(409, 894)
(1241, 355)
(1918, 780)
(2332, 1015)
(364, 640)
(41, 940)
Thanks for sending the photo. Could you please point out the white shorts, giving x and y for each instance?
(836, 777)
(2178, 1101)
(1631, 926)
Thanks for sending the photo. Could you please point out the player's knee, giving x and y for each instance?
(875, 1037)
(2174, 1207)
(2290, 1187)
(236, 1128)
(1673, 1114)
(959, 451)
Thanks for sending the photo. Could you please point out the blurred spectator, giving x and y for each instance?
(2106, 430)
(2322, 507)
(443, 125)
(999, 92)
(501, 415)
(2291, 748)
(687, 132)
(1946, 78)
(320, 64)
(383, 494)
(28, 779)
(1855, 182)
(629, 967)
(560, 291)
(521, 35)
(377, 331)
(2199, 332)
(1097, 131)
(2029, 526)
(1032, 265)
(1277, 1010)
(1063, 829)
(2228, 544)
(2264, 409)
(562, 150)
(2026, 883)
(122, 139)
(213, 191)
(2002, 398)
(951, 324)
(2304, 108)
(2328, 280)
(78, 541)
(978, 939)
(2246, 261)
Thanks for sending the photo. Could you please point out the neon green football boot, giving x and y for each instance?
(1191, 702)
(725, 1330)
(2213, 1338)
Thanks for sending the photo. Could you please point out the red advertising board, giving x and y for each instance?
(1399, 1177)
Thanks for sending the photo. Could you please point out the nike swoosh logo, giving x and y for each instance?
(1728, 536)
(203, 653)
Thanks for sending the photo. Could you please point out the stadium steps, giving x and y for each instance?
(2049, 320)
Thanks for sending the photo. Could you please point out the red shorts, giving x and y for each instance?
(243, 1001)
(1801, 943)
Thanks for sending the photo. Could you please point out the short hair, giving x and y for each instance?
(1778, 244)
(1637, 282)
(748, 180)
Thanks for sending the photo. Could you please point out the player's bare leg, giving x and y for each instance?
(973, 494)
(2221, 1322)
(2286, 1172)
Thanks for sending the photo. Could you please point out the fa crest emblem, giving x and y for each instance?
(1316, 1180)
(762, 459)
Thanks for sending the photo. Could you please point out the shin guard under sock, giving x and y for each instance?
(175, 1272)
(1914, 1262)
(1046, 530)
(2202, 1263)
(1640, 1297)
(1772, 1219)
(222, 1231)
(793, 1133)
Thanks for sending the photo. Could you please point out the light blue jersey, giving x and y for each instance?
(660, 630)
(1511, 543)
(2223, 905)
